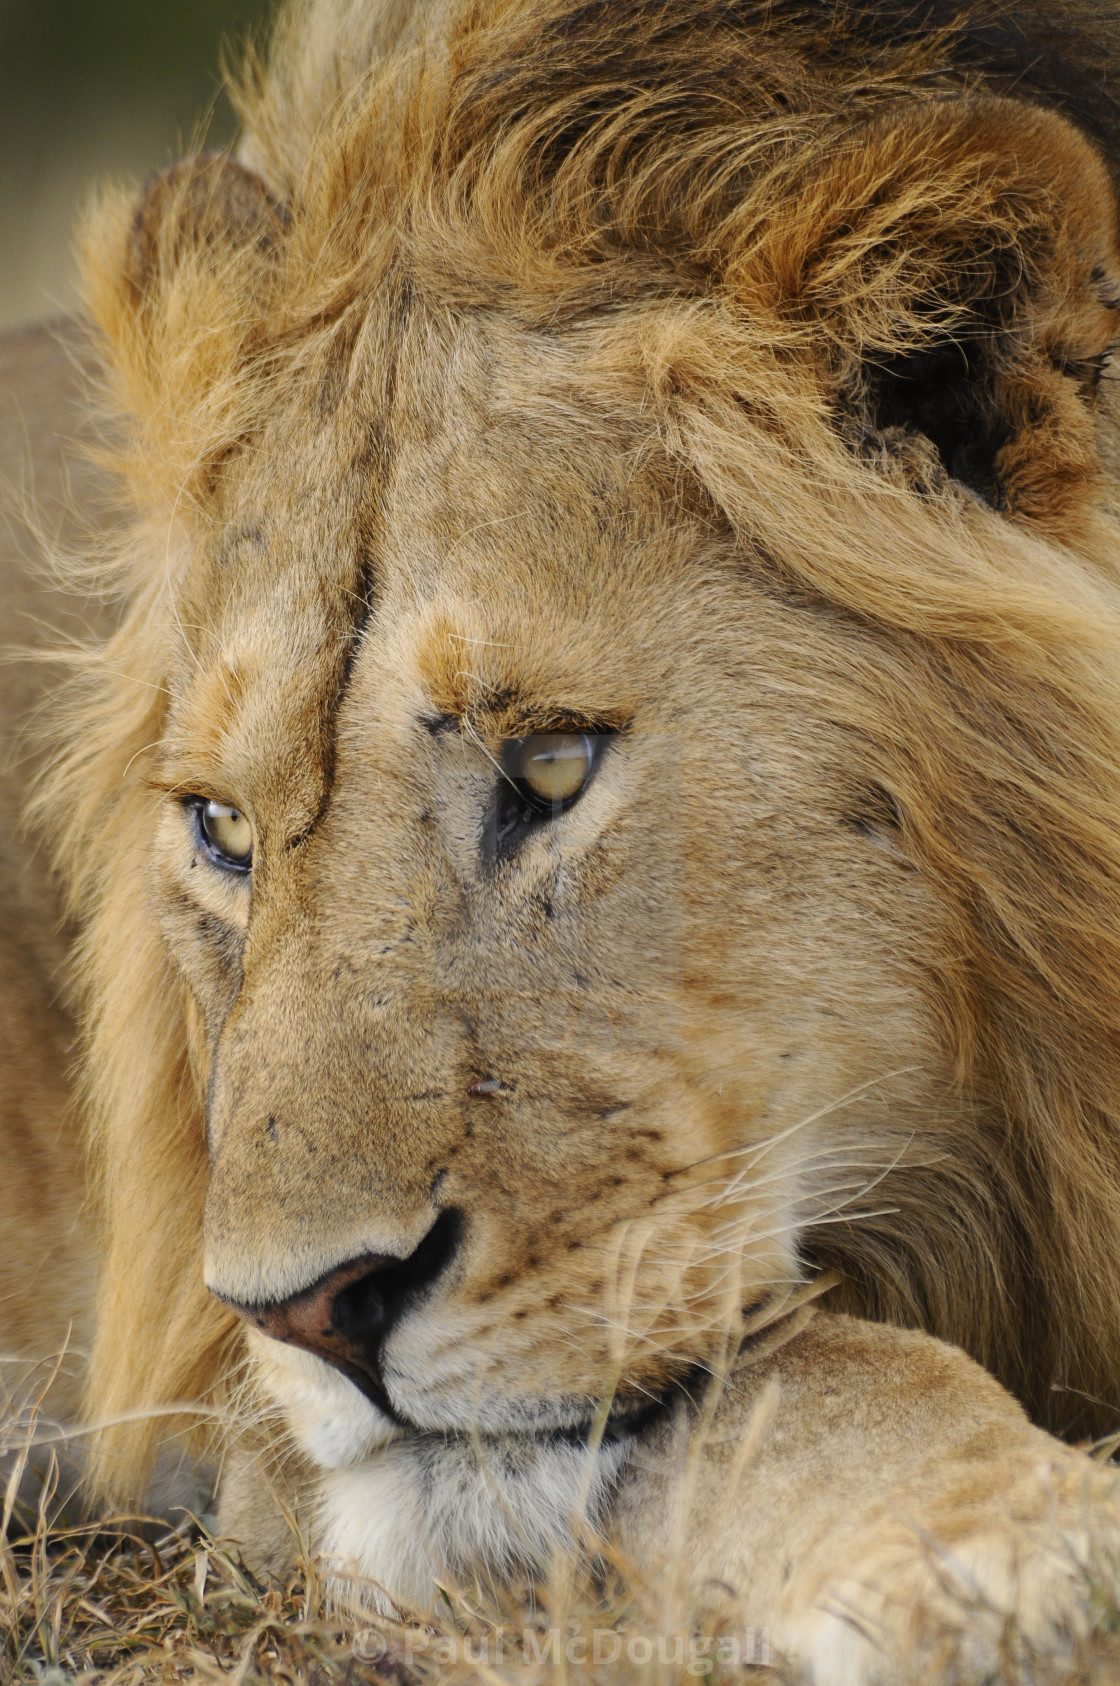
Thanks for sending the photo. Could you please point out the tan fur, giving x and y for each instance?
(47, 1303)
(48, 1247)
(690, 374)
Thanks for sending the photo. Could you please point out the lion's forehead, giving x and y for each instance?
(501, 535)
(470, 432)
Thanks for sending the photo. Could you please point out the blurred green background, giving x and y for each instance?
(90, 88)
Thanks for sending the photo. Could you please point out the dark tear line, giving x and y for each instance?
(367, 576)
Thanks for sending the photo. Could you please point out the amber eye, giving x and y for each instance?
(227, 833)
(554, 766)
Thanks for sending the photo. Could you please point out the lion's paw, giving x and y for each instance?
(1019, 1593)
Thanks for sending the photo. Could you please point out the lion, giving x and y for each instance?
(594, 836)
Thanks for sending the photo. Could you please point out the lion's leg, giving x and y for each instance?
(889, 1507)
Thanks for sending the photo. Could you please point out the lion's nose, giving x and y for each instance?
(345, 1316)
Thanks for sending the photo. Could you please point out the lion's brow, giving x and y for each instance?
(509, 713)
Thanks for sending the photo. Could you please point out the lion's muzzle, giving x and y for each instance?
(346, 1315)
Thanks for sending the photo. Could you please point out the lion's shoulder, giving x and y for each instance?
(40, 1176)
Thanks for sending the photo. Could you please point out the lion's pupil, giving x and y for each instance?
(556, 765)
(228, 831)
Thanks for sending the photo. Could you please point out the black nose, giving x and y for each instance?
(346, 1315)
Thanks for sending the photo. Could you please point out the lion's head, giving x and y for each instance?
(605, 796)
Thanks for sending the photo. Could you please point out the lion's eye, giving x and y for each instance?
(554, 766)
(544, 775)
(227, 833)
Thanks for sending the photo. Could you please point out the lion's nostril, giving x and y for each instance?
(362, 1308)
(346, 1315)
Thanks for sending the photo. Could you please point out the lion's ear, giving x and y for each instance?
(959, 259)
(202, 209)
(180, 285)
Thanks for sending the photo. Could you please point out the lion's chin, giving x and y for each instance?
(401, 1510)
(431, 1510)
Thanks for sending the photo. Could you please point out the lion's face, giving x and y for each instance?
(611, 1055)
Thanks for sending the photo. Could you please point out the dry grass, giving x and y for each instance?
(125, 1604)
(84, 1605)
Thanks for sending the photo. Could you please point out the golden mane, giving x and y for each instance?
(748, 218)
